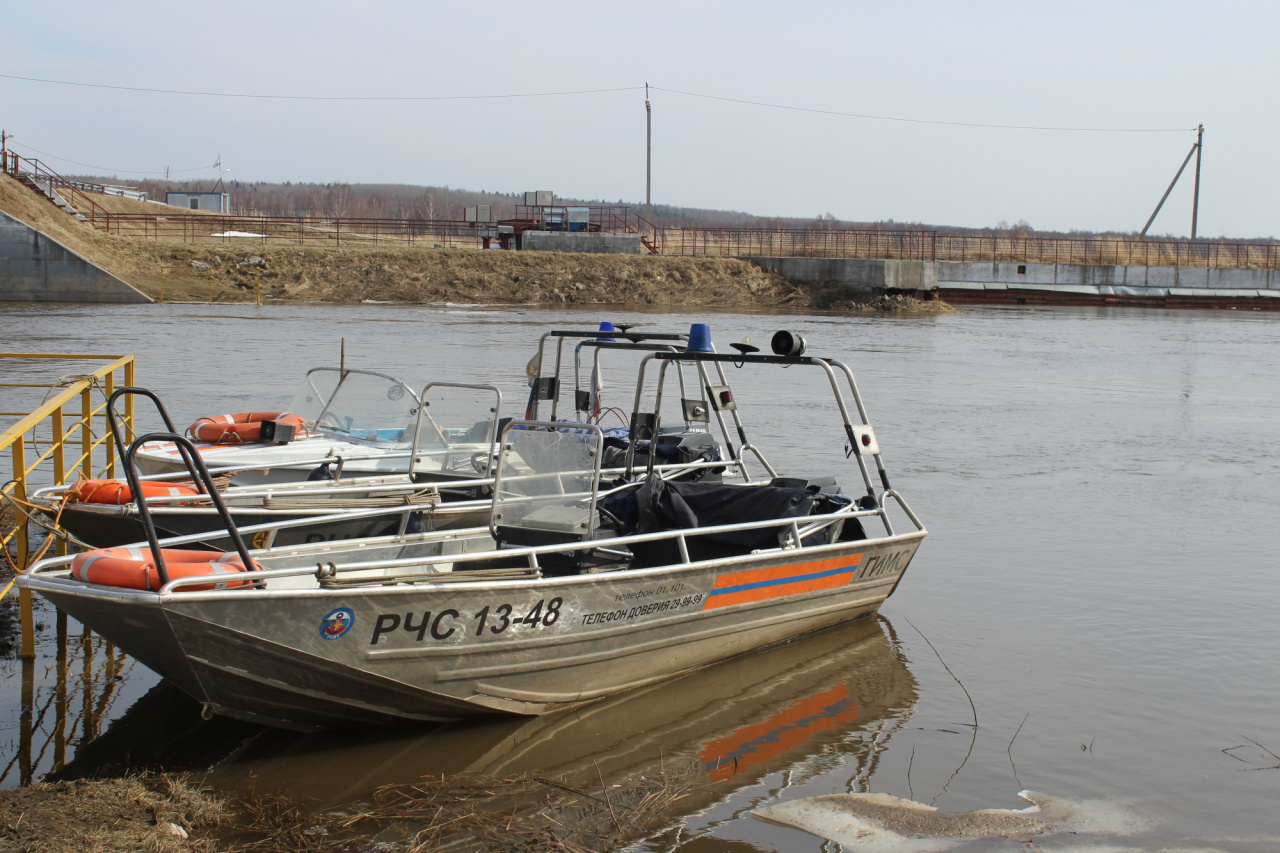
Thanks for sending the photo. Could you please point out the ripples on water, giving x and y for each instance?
(1100, 488)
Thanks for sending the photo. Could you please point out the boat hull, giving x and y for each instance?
(444, 651)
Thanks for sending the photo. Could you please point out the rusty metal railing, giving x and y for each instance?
(734, 242)
(74, 447)
(932, 246)
(1109, 250)
(292, 230)
(19, 167)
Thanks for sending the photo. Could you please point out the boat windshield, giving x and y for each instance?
(370, 406)
(546, 479)
(456, 429)
(314, 394)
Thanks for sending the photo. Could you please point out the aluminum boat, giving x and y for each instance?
(364, 416)
(581, 586)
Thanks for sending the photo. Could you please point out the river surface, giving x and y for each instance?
(1099, 586)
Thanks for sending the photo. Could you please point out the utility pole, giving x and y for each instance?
(1195, 204)
(648, 154)
(1163, 198)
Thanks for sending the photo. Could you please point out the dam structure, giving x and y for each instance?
(36, 268)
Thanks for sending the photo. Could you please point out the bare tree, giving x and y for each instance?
(338, 200)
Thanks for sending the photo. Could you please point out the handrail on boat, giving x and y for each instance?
(51, 565)
(534, 551)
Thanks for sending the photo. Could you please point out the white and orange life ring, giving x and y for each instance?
(117, 492)
(240, 428)
(134, 568)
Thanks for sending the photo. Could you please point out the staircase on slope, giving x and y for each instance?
(45, 188)
(39, 178)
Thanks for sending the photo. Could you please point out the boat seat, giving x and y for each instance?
(662, 505)
(559, 525)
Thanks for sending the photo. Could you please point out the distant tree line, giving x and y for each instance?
(406, 201)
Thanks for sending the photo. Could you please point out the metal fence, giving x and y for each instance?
(70, 680)
(77, 443)
(726, 242)
(931, 246)
(878, 244)
(292, 230)
(1108, 250)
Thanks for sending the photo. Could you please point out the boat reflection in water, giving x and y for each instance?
(732, 723)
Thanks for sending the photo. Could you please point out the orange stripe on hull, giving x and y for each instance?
(764, 584)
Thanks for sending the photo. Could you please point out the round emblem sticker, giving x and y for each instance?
(337, 623)
(395, 392)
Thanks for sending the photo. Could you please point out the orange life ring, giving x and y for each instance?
(133, 568)
(117, 492)
(240, 428)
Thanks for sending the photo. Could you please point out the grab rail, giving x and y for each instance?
(201, 476)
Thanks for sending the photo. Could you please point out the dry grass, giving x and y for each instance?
(109, 816)
(524, 813)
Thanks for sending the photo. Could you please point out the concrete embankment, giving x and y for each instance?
(36, 268)
(1096, 284)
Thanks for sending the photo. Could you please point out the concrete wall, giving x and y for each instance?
(1097, 275)
(579, 241)
(857, 274)
(36, 268)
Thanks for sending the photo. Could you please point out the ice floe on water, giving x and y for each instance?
(885, 822)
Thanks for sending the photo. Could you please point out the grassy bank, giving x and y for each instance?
(237, 269)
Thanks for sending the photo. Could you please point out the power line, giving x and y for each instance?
(929, 121)
(115, 171)
(513, 95)
(320, 97)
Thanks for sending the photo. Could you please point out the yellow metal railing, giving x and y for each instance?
(73, 448)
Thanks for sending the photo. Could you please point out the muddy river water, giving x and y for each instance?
(1099, 587)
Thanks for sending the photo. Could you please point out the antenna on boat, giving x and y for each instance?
(342, 358)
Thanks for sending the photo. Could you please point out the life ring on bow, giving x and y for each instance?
(117, 492)
(240, 428)
(134, 568)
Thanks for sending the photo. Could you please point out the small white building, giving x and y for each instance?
(215, 202)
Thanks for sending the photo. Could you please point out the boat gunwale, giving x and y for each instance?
(43, 575)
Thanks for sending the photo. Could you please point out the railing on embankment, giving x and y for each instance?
(932, 246)
(65, 436)
(19, 168)
(292, 230)
(870, 244)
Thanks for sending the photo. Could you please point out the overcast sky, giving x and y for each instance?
(1079, 64)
